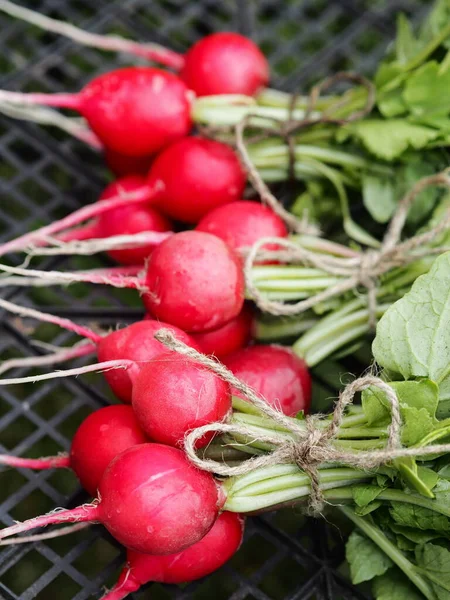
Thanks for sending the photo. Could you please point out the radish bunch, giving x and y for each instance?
(182, 196)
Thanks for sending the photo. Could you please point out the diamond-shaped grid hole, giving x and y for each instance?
(62, 587)
(35, 504)
(24, 573)
(17, 431)
(96, 557)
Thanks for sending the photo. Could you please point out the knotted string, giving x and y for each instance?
(362, 270)
(310, 445)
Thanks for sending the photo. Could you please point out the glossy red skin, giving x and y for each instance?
(101, 437)
(195, 282)
(137, 111)
(197, 561)
(241, 224)
(173, 395)
(230, 337)
(122, 165)
(135, 218)
(197, 176)
(276, 373)
(153, 500)
(225, 63)
(137, 343)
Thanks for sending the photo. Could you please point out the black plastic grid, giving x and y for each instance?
(43, 175)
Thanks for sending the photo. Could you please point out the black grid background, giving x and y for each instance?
(44, 175)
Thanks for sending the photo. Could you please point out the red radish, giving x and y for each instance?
(241, 224)
(230, 337)
(194, 281)
(101, 437)
(173, 395)
(150, 498)
(207, 174)
(121, 164)
(136, 111)
(220, 63)
(135, 344)
(276, 373)
(197, 561)
(225, 63)
(130, 219)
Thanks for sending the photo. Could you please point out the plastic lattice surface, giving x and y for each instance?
(43, 175)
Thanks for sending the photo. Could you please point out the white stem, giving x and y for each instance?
(97, 368)
(54, 358)
(48, 116)
(87, 248)
(115, 43)
(39, 537)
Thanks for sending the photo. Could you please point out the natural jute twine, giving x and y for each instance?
(287, 130)
(363, 270)
(309, 447)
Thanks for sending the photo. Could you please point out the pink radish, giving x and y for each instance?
(134, 345)
(225, 63)
(121, 164)
(129, 219)
(276, 373)
(135, 111)
(194, 281)
(207, 174)
(220, 63)
(241, 224)
(230, 337)
(150, 498)
(101, 437)
(173, 395)
(197, 561)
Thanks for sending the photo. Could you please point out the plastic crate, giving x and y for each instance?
(43, 175)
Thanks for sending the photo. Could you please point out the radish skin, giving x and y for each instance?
(150, 498)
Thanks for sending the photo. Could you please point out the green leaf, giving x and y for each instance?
(413, 336)
(390, 102)
(417, 395)
(379, 197)
(409, 471)
(364, 494)
(404, 544)
(393, 585)
(416, 424)
(365, 558)
(414, 169)
(434, 562)
(388, 139)
(436, 21)
(416, 536)
(362, 511)
(426, 90)
(406, 45)
(418, 517)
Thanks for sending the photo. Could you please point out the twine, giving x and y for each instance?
(310, 446)
(286, 130)
(365, 269)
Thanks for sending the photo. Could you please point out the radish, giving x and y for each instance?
(194, 281)
(241, 224)
(150, 498)
(225, 63)
(173, 395)
(207, 174)
(220, 63)
(129, 219)
(134, 345)
(101, 437)
(230, 337)
(197, 561)
(275, 373)
(121, 164)
(135, 111)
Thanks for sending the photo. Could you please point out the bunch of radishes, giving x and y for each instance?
(166, 512)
